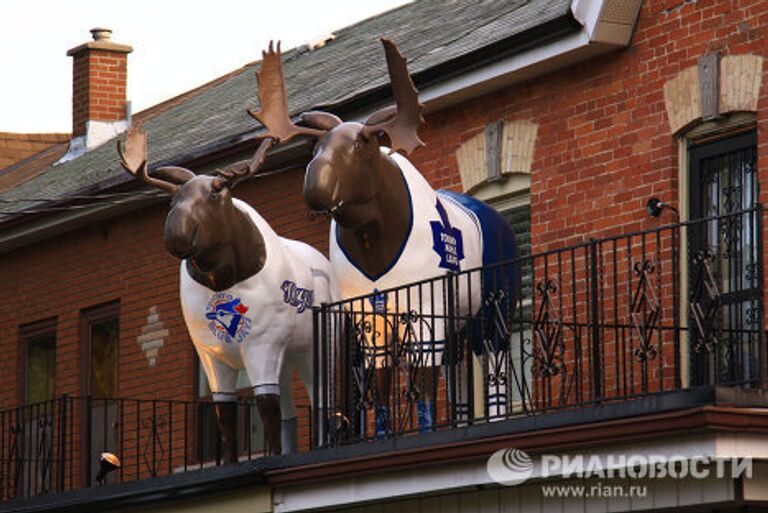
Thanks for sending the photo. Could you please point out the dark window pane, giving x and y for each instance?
(104, 344)
(519, 219)
(729, 183)
(723, 176)
(41, 368)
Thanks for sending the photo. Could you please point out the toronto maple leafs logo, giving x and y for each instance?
(447, 241)
(226, 316)
(378, 301)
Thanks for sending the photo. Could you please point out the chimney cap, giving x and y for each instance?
(102, 40)
(101, 34)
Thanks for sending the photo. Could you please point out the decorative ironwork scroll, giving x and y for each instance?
(705, 302)
(152, 458)
(645, 311)
(548, 347)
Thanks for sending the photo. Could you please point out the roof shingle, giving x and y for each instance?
(429, 33)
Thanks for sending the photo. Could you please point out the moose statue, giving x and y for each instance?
(389, 226)
(246, 293)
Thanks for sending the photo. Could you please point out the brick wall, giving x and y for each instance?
(15, 147)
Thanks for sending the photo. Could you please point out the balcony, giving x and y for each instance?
(605, 322)
(615, 328)
(56, 446)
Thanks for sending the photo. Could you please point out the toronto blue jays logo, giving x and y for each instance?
(227, 320)
(296, 296)
(447, 240)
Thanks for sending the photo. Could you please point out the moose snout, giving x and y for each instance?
(180, 235)
(181, 246)
(320, 186)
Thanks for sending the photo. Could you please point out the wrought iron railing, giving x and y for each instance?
(605, 321)
(56, 445)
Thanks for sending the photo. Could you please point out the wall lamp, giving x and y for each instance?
(655, 206)
(107, 463)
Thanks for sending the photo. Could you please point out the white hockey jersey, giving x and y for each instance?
(259, 322)
(446, 236)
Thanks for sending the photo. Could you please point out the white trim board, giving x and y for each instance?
(351, 491)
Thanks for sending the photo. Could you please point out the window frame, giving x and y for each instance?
(706, 132)
(89, 317)
(699, 368)
(26, 333)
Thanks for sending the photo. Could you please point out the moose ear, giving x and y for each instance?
(319, 119)
(381, 115)
(173, 174)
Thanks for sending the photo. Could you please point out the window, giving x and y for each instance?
(38, 343)
(100, 329)
(101, 338)
(723, 177)
(519, 218)
(32, 436)
(515, 208)
(723, 257)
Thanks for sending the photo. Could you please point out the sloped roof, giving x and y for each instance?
(435, 36)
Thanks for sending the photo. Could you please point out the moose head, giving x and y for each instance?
(219, 242)
(348, 169)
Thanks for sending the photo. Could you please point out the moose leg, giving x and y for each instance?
(383, 388)
(264, 365)
(288, 436)
(425, 406)
(269, 411)
(222, 381)
(426, 369)
(226, 420)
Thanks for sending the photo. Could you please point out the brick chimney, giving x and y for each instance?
(99, 107)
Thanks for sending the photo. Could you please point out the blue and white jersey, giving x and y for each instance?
(449, 232)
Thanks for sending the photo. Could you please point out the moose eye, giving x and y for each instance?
(214, 195)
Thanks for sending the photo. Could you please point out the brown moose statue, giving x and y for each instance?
(246, 293)
(390, 228)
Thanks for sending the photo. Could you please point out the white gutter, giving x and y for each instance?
(607, 25)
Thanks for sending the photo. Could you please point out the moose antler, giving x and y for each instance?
(134, 159)
(401, 126)
(273, 101)
(233, 175)
(399, 123)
